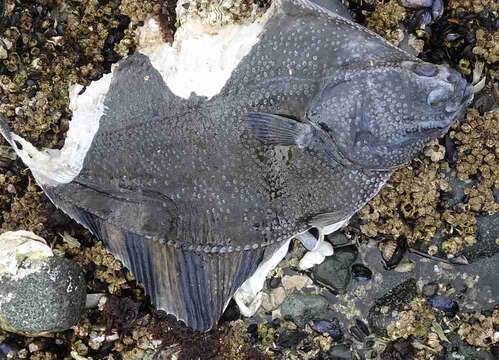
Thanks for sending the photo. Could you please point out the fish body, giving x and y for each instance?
(193, 192)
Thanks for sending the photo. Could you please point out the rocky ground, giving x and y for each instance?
(414, 276)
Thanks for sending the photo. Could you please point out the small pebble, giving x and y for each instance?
(337, 238)
(340, 352)
(414, 4)
(335, 271)
(11, 189)
(296, 282)
(274, 282)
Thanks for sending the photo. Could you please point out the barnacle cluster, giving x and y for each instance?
(411, 205)
(415, 320)
(407, 205)
(487, 46)
(386, 19)
(26, 210)
(478, 156)
(219, 13)
(480, 330)
(48, 47)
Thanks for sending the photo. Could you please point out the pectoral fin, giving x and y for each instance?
(323, 220)
(273, 129)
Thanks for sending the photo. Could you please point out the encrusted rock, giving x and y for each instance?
(39, 292)
(382, 313)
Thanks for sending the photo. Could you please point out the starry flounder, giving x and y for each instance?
(197, 162)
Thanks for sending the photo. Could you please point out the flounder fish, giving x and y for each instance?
(196, 162)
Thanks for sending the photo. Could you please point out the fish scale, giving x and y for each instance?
(199, 196)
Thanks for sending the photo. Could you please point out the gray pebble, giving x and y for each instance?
(303, 307)
(48, 300)
(335, 271)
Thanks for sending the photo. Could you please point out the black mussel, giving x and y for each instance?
(445, 304)
(361, 272)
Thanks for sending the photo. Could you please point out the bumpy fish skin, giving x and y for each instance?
(192, 199)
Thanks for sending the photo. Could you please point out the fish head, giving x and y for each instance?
(380, 117)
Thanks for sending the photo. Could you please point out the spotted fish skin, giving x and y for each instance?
(188, 195)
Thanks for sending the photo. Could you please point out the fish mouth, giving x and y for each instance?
(427, 129)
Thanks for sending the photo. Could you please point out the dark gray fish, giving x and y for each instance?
(193, 193)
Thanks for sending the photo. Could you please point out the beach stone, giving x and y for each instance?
(335, 270)
(273, 299)
(303, 307)
(337, 238)
(340, 352)
(290, 339)
(297, 282)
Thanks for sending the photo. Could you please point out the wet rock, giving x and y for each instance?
(399, 349)
(380, 314)
(337, 238)
(361, 272)
(445, 304)
(332, 328)
(430, 289)
(340, 352)
(290, 339)
(273, 299)
(456, 194)
(488, 233)
(39, 292)
(335, 271)
(303, 307)
(296, 282)
(274, 282)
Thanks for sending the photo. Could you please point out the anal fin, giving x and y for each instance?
(194, 286)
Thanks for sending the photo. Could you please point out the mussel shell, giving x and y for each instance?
(393, 252)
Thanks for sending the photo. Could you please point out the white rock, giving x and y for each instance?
(17, 248)
(296, 282)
